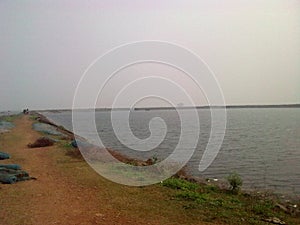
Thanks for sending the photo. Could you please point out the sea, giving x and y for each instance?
(262, 145)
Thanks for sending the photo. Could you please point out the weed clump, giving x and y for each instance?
(41, 142)
(235, 182)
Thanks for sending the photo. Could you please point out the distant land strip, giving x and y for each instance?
(182, 107)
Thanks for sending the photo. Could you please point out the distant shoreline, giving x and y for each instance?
(183, 107)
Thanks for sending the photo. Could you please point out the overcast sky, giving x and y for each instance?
(253, 47)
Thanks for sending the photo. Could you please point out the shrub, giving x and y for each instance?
(154, 159)
(41, 142)
(235, 182)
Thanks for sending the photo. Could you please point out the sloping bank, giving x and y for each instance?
(216, 204)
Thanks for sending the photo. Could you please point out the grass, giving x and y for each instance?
(224, 206)
(181, 184)
(263, 208)
(69, 149)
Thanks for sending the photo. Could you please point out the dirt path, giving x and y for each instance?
(67, 191)
(51, 199)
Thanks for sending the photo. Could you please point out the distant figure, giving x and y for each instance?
(25, 111)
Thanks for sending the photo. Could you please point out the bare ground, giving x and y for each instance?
(67, 191)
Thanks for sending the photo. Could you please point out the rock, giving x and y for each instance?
(74, 144)
(275, 220)
(9, 176)
(11, 166)
(81, 144)
(290, 209)
(8, 179)
(282, 207)
(293, 210)
(4, 155)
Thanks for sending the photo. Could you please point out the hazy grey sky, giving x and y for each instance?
(45, 46)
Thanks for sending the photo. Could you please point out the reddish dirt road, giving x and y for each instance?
(51, 199)
(60, 196)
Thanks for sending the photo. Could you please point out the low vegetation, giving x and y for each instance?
(226, 206)
(70, 150)
(235, 182)
(41, 142)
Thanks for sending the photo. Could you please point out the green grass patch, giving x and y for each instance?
(223, 205)
(65, 144)
(264, 208)
(181, 184)
(194, 196)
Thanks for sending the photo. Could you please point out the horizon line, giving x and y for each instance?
(181, 107)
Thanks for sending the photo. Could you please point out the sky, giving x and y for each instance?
(252, 47)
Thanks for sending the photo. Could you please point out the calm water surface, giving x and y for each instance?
(262, 145)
